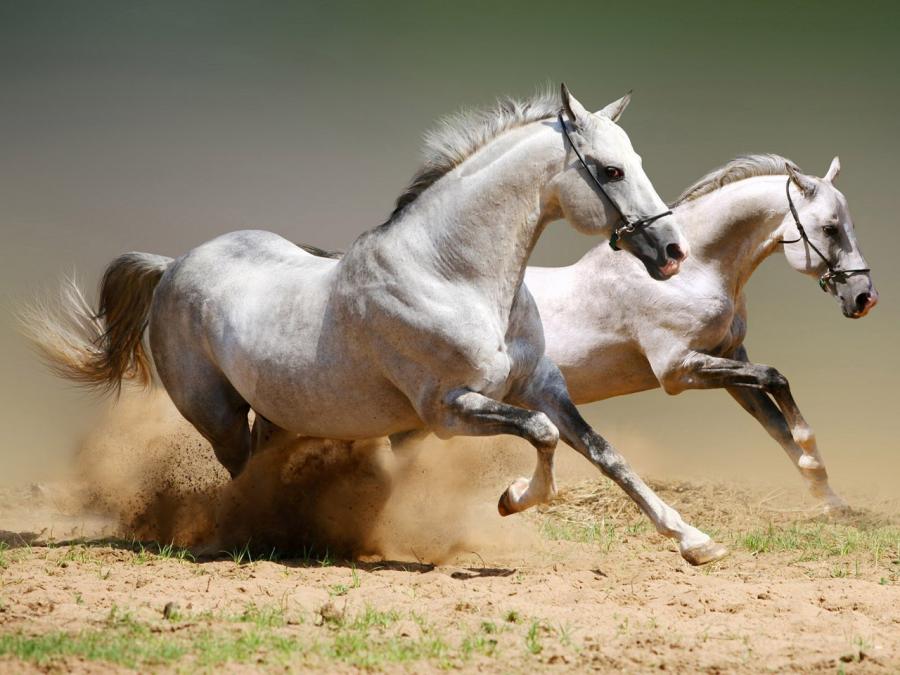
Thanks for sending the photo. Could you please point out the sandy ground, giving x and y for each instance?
(621, 599)
(419, 573)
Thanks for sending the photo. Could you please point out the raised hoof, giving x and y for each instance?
(503, 506)
(705, 553)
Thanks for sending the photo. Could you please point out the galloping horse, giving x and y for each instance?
(423, 324)
(613, 332)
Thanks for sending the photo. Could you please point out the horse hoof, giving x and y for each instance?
(836, 507)
(704, 553)
(511, 500)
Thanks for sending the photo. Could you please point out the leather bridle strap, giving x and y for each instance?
(626, 227)
(833, 274)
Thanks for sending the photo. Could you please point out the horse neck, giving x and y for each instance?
(735, 228)
(482, 220)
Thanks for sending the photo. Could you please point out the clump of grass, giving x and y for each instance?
(172, 552)
(337, 590)
(533, 638)
(592, 513)
(241, 555)
(266, 616)
(362, 641)
(77, 553)
(313, 556)
(251, 646)
(123, 642)
(369, 639)
(479, 643)
(600, 534)
(818, 540)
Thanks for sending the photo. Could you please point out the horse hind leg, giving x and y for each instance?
(758, 404)
(230, 438)
(209, 402)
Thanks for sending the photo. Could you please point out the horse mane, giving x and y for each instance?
(740, 168)
(320, 252)
(458, 136)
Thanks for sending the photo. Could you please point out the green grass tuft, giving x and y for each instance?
(816, 541)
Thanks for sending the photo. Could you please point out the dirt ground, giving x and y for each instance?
(419, 573)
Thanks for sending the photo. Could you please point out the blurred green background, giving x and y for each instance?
(156, 126)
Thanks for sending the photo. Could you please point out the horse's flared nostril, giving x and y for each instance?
(862, 301)
(675, 252)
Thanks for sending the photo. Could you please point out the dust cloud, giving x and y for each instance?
(429, 501)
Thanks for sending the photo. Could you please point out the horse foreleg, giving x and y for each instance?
(548, 392)
(469, 413)
(758, 404)
(702, 371)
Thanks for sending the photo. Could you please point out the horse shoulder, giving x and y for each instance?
(696, 315)
(706, 313)
(420, 326)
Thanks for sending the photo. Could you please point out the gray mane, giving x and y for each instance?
(740, 168)
(457, 137)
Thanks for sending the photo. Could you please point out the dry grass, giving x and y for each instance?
(597, 512)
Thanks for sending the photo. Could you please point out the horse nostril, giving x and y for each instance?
(674, 252)
(862, 301)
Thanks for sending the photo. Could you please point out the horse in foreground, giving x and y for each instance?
(613, 332)
(423, 324)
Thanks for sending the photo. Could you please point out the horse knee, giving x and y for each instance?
(675, 381)
(542, 433)
(773, 379)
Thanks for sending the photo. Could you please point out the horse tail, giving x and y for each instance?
(99, 349)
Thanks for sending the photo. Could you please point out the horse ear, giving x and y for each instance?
(833, 170)
(578, 114)
(615, 109)
(806, 184)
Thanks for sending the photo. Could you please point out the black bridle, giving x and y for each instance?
(626, 227)
(832, 274)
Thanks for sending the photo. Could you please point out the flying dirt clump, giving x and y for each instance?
(145, 466)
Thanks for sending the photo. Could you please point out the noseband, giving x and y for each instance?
(626, 227)
(833, 274)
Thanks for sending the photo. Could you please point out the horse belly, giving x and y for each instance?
(320, 388)
(613, 371)
(361, 408)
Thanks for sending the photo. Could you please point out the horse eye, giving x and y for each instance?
(613, 173)
(831, 230)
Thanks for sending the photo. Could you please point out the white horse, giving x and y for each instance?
(612, 331)
(423, 324)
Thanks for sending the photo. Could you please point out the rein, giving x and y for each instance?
(626, 227)
(832, 274)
